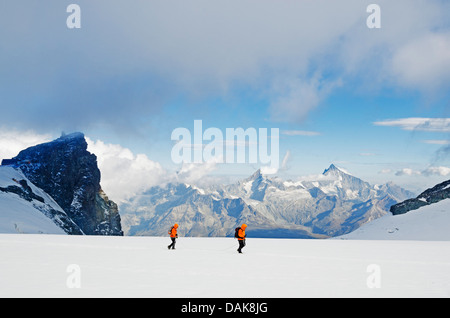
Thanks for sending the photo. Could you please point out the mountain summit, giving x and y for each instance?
(65, 170)
(332, 169)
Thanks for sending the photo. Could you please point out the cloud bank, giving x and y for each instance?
(130, 59)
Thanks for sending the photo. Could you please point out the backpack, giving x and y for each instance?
(236, 232)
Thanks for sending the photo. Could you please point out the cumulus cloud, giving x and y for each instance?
(123, 173)
(196, 173)
(438, 171)
(13, 141)
(430, 171)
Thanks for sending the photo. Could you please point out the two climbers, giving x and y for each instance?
(239, 234)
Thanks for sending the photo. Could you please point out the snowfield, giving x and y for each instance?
(34, 265)
(429, 223)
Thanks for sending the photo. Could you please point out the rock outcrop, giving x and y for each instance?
(430, 196)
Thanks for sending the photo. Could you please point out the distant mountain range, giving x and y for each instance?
(332, 204)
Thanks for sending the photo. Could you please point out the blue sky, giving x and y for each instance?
(135, 71)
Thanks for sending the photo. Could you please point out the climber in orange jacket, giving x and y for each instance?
(173, 236)
(241, 237)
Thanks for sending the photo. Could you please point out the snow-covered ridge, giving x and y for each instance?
(36, 213)
(428, 223)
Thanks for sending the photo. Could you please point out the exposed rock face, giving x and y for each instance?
(66, 171)
(430, 196)
(23, 190)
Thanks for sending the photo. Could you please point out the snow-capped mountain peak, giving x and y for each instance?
(335, 171)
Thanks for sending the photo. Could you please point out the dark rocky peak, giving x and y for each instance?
(65, 170)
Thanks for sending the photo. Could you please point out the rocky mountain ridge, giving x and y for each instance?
(432, 195)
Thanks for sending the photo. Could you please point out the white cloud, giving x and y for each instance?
(438, 171)
(274, 169)
(269, 170)
(13, 141)
(150, 51)
(124, 174)
(196, 173)
(407, 172)
(423, 62)
(300, 133)
(437, 142)
(430, 171)
(417, 123)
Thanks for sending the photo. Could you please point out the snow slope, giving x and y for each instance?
(429, 223)
(47, 265)
(21, 216)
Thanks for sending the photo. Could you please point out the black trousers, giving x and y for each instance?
(241, 245)
(172, 246)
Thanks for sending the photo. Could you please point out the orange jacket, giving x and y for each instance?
(241, 232)
(173, 231)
